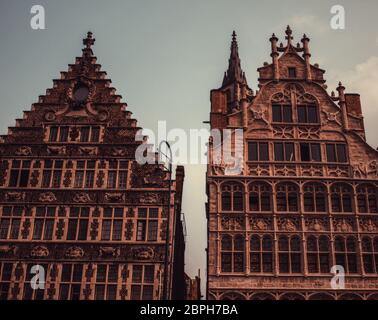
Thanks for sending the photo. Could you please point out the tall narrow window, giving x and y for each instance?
(260, 197)
(341, 198)
(112, 224)
(84, 174)
(29, 293)
(282, 113)
(70, 284)
(370, 254)
(284, 151)
(258, 151)
(292, 72)
(261, 254)
(232, 253)
(10, 222)
(336, 152)
(367, 199)
(289, 254)
(117, 174)
(307, 114)
(318, 254)
(63, 134)
(346, 253)
(53, 134)
(232, 197)
(84, 134)
(52, 173)
(314, 197)
(142, 282)
(19, 174)
(44, 223)
(287, 197)
(78, 223)
(5, 279)
(106, 282)
(95, 134)
(310, 152)
(147, 224)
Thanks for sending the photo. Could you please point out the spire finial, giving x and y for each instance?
(233, 36)
(234, 72)
(89, 40)
(288, 35)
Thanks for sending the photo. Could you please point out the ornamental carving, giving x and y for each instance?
(259, 115)
(288, 224)
(343, 225)
(74, 252)
(81, 197)
(15, 196)
(148, 198)
(109, 252)
(260, 224)
(23, 151)
(332, 117)
(47, 197)
(283, 132)
(308, 133)
(8, 249)
(114, 197)
(258, 170)
(316, 225)
(312, 170)
(285, 170)
(39, 252)
(232, 223)
(56, 150)
(145, 253)
(368, 225)
(89, 151)
(365, 170)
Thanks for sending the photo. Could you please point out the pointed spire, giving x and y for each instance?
(88, 42)
(234, 72)
(289, 36)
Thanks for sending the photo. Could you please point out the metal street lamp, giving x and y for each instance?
(167, 241)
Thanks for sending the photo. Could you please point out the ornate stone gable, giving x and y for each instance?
(309, 189)
(74, 200)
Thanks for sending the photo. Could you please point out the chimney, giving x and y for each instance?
(353, 104)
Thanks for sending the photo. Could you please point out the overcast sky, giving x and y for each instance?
(165, 56)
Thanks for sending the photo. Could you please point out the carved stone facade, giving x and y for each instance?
(74, 200)
(306, 197)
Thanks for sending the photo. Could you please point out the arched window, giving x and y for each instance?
(290, 260)
(346, 253)
(232, 254)
(318, 254)
(232, 197)
(341, 198)
(261, 254)
(260, 197)
(367, 199)
(287, 197)
(370, 254)
(314, 197)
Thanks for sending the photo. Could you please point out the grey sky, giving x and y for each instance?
(164, 56)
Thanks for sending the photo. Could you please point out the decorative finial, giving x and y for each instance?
(89, 40)
(233, 36)
(288, 35)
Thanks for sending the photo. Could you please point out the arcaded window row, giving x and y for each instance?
(287, 254)
(286, 197)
